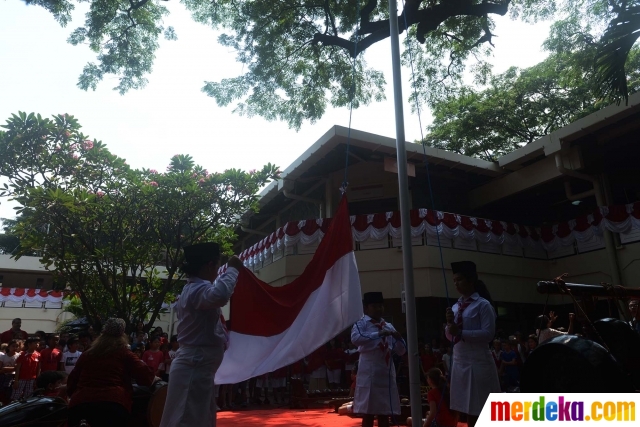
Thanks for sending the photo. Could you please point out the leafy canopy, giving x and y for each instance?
(110, 233)
(520, 105)
(297, 54)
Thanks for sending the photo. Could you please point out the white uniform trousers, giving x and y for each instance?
(191, 394)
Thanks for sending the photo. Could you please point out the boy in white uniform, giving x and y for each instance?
(191, 389)
(376, 391)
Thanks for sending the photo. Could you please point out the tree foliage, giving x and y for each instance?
(297, 54)
(520, 105)
(111, 233)
(616, 49)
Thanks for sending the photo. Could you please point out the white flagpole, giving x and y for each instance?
(407, 256)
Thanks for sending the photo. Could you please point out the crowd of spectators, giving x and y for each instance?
(43, 361)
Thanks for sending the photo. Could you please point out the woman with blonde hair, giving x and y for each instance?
(99, 386)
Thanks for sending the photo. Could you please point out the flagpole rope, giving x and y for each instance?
(426, 163)
(424, 151)
(343, 188)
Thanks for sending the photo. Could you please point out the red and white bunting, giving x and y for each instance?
(28, 295)
(617, 218)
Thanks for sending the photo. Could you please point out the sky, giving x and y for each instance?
(171, 115)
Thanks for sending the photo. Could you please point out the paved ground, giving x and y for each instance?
(289, 418)
(285, 417)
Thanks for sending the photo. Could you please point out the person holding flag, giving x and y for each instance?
(376, 392)
(191, 395)
(471, 326)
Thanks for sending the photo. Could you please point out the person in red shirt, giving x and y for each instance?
(15, 333)
(99, 386)
(428, 359)
(154, 356)
(51, 356)
(27, 370)
(438, 398)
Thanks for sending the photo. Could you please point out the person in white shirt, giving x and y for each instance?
(7, 368)
(376, 392)
(70, 357)
(191, 389)
(471, 326)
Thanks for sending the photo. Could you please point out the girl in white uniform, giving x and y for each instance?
(471, 327)
(191, 393)
(376, 392)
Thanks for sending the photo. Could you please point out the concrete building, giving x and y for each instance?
(536, 213)
(553, 186)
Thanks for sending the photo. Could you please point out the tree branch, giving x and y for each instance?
(428, 20)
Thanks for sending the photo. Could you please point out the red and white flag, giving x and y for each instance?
(273, 327)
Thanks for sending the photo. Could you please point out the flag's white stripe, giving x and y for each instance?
(330, 309)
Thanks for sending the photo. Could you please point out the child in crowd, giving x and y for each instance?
(52, 384)
(62, 344)
(139, 352)
(7, 370)
(509, 366)
(71, 356)
(3, 348)
(84, 338)
(153, 357)
(27, 370)
(139, 342)
(438, 398)
(51, 356)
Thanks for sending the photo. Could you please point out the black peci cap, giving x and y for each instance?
(201, 253)
(373, 298)
(464, 267)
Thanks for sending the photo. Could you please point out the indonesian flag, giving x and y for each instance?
(273, 327)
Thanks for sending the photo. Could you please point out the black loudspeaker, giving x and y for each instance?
(571, 364)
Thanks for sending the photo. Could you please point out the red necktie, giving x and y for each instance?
(383, 345)
(458, 319)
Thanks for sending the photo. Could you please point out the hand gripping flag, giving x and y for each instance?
(273, 327)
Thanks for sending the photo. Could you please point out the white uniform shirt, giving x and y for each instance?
(376, 389)
(478, 320)
(199, 309)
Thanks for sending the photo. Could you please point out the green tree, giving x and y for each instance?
(521, 105)
(297, 54)
(110, 233)
(617, 49)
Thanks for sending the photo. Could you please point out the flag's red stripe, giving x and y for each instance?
(263, 310)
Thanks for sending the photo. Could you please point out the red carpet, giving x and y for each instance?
(289, 418)
(286, 417)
